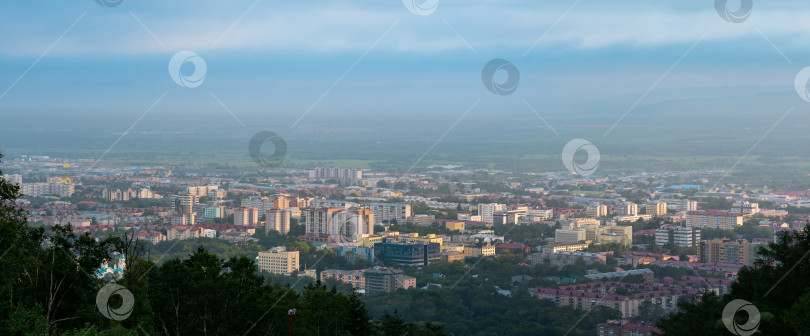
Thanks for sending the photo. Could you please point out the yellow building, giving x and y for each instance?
(414, 237)
(657, 208)
(278, 260)
(456, 226)
(478, 250)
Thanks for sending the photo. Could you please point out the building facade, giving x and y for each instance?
(278, 261)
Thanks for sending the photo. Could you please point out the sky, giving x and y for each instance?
(300, 63)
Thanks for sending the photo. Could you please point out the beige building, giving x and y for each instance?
(278, 260)
(277, 220)
(570, 236)
(727, 251)
(657, 208)
(246, 216)
(713, 219)
(596, 210)
(627, 209)
(479, 250)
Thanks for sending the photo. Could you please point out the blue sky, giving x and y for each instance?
(273, 60)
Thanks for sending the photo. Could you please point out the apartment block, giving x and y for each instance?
(246, 216)
(596, 210)
(713, 219)
(391, 211)
(727, 251)
(657, 208)
(677, 235)
(487, 211)
(278, 261)
(277, 220)
(627, 209)
(410, 254)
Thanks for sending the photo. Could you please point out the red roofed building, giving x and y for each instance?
(513, 247)
(625, 328)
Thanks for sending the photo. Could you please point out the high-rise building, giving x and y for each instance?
(596, 210)
(13, 179)
(200, 191)
(487, 211)
(339, 224)
(213, 212)
(281, 202)
(727, 251)
(681, 205)
(262, 204)
(184, 204)
(391, 211)
(278, 220)
(339, 174)
(627, 209)
(278, 261)
(656, 208)
(246, 216)
(677, 235)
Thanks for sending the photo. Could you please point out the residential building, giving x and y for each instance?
(387, 280)
(213, 212)
(682, 205)
(184, 204)
(354, 278)
(564, 258)
(389, 212)
(338, 224)
(200, 191)
(183, 232)
(475, 250)
(627, 209)
(626, 328)
(339, 174)
(48, 188)
(277, 220)
(246, 216)
(656, 208)
(713, 219)
(563, 247)
(596, 210)
(278, 260)
(727, 251)
(745, 208)
(587, 300)
(487, 211)
(261, 204)
(677, 235)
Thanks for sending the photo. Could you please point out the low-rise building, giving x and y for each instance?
(278, 261)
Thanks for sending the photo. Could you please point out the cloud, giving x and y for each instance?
(338, 28)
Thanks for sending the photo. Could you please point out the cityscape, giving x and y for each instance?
(405, 168)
